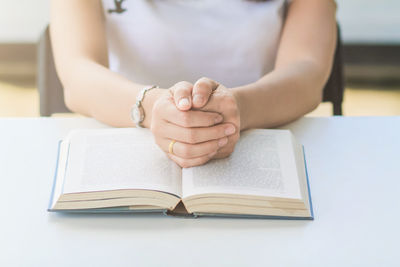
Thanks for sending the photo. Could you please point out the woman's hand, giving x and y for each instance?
(209, 96)
(199, 135)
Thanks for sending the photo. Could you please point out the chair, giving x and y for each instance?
(334, 87)
(51, 92)
(52, 95)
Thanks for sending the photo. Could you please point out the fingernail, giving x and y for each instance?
(183, 103)
(222, 142)
(198, 99)
(230, 130)
(218, 119)
(212, 154)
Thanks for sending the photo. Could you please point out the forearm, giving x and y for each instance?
(79, 44)
(281, 96)
(93, 90)
(302, 67)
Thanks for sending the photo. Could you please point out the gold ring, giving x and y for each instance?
(171, 147)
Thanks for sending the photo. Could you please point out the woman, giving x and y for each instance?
(262, 63)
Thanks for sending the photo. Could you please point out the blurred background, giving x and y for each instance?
(371, 57)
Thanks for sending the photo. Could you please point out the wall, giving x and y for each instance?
(365, 21)
(21, 21)
(370, 21)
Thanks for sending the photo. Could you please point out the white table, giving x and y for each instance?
(354, 169)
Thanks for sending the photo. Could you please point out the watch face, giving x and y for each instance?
(136, 115)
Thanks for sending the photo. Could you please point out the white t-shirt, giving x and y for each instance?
(166, 41)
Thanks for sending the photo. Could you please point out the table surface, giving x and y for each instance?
(354, 171)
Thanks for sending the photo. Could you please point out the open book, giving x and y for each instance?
(123, 170)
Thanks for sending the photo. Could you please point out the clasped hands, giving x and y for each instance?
(202, 118)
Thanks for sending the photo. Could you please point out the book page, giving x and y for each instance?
(262, 164)
(112, 159)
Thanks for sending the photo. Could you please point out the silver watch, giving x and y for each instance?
(137, 111)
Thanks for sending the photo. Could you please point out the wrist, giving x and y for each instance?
(148, 102)
(239, 95)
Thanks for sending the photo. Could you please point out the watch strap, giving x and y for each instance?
(138, 105)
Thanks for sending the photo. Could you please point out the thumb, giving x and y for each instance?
(182, 92)
(202, 91)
